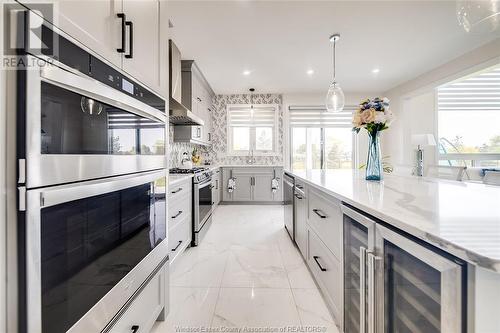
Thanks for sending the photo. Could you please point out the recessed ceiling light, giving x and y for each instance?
(310, 72)
(375, 70)
(246, 72)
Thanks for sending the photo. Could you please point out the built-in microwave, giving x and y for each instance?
(84, 120)
(89, 247)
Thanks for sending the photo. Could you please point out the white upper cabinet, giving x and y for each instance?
(126, 33)
(141, 57)
(95, 24)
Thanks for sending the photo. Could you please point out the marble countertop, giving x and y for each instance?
(461, 218)
(178, 178)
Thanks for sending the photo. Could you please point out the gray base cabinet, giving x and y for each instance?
(372, 278)
(216, 188)
(180, 223)
(300, 211)
(253, 184)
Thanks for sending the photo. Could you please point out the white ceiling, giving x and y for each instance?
(278, 41)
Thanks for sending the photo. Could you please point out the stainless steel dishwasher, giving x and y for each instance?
(288, 191)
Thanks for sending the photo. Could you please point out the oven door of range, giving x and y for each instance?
(78, 129)
(202, 204)
(89, 247)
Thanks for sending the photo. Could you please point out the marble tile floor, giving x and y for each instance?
(246, 274)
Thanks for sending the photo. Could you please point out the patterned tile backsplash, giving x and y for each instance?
(217, 152)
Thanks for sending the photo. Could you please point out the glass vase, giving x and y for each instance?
(373, 162)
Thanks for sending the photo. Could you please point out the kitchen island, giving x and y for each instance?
(438, 219)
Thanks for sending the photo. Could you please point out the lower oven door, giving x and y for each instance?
(89, 247)
(202, 208)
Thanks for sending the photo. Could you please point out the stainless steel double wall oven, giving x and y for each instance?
(92, 183)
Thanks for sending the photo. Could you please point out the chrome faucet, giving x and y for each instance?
(251, 158)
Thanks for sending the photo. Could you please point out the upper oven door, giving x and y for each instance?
(89, 247)
(78, 128)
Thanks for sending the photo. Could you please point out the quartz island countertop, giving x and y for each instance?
(460, 218)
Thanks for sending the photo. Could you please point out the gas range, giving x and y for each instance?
(201, 174)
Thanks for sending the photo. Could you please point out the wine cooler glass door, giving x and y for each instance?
(359, 241)
(422, 289)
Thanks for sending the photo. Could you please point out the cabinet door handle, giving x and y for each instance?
(130, 39)
(178, 244)
(319, 213)
(123, 18)
(216, 184)
(135, 328)
(362, 289)
(209, 136)
(298, 196)
(199, 99)
(177, 215)
(177, 191)
(319, 265)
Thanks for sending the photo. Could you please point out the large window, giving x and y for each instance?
(252, 129)
(469, 120)
(321, 140)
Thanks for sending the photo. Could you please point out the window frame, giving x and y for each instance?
(354, 141)
(473, 158)
(252, 133)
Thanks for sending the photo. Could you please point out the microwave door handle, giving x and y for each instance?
(79, 83)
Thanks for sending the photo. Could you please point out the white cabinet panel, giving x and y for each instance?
(327, 271)
(95, 25)
(326, 218)
(145, 309)
(144, 63)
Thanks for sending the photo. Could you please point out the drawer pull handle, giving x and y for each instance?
(135, 328)
(175, 248)
(298, 196)
(319, 213)
(177, 215)
(177, 191)
(319, 265)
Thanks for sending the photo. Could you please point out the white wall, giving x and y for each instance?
(414, 105)
(319, 99)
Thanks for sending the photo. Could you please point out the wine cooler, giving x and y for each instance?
(396, 284)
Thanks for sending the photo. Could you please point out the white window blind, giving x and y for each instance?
(480, 92)
(258, 116)
(317, 116)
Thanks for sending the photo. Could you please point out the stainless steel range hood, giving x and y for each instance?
(180, 115)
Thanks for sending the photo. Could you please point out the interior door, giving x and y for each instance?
(144, 44)
(422, 289)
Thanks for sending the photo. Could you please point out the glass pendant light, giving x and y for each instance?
(335, 99)
(479, 16)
